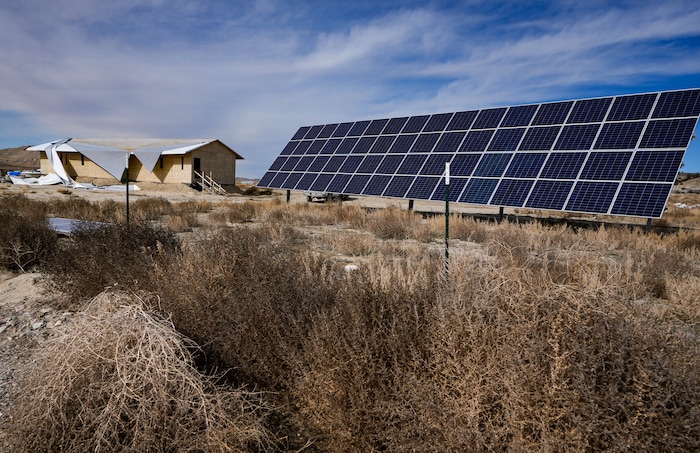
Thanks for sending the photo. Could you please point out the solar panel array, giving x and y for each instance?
(613, 155)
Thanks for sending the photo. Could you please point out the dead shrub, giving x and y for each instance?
(182, 222)
(395, 223)
(120, 378)
(25, 241)
(235, 212)
(121, 256)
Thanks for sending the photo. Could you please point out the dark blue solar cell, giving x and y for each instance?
(412, 164)
(437, 123)
(395, 125)
(290, 163)
(489, 118)
(330, 146)
(589, 110)
(635, 107)
(539, 138)
(520, 115)
(342, 129)
(643, 200)
(464, 164)
(403, 143)
(338, 183)
(606, 165)
(415, 124)
(619, 135)
(398, 186)
(668, 133)
(334, 164)
(358, 128)
(461, 121)
(424, 143)
(327, 130)
(316, 147)
(318, 163)
(592, 197)
(577, 137)
(493, 165)
(390, 164)
(321, 182)
(289, 148)
(266, 179)
(512, 192)
(356, 184)
(376, 185)
(478, 191)
(376, 127)
(549, 194)
(553, 113)
(525, 165)
(506, 139)
(449, 142)
(659, 166)
(302, 147)
(382, 144)
(563, 165)
(279, 179)
(301, 132)
(364, 145)
(422, 188)
(277, 164)
(291, 180)
(370, 164)
(313, 132)
(456, 187)
(305, 182)
(347, 145)
(678, 104)
(476, 141)
(435, 165)
(304, 163)
(351, 164)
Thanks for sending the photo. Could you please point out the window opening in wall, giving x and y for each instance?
(82, 160)
(182, 163)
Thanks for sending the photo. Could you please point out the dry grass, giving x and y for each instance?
(120, 378)
(545, 338)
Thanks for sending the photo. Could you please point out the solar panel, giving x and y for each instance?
(614, 155)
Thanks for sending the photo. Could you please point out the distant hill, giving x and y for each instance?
(18, 159)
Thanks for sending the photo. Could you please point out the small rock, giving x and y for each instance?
(37, 325)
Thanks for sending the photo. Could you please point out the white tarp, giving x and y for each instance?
(112, 160)
(56, 163)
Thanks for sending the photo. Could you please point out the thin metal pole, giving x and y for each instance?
(127, 188)
(289, 195)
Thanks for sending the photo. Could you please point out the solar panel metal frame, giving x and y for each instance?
(615, 155)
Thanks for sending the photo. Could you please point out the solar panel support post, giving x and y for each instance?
(410, 205)
(289, 195)
(127, 187)
(500, 214)
(648, 227)
(447, 221)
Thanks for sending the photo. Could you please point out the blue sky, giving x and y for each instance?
(251, 72)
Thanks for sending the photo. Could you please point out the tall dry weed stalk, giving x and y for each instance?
(120, 378)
